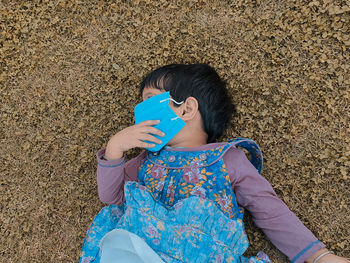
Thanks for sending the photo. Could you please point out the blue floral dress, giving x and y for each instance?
(183, 207)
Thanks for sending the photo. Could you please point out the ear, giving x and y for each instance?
(189, 109)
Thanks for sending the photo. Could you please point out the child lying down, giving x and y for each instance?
(183, 197)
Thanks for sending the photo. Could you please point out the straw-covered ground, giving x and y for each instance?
(69, 75)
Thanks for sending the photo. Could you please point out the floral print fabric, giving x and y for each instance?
(106, 220)
(175, 175)
(193, 230)
(183, 206)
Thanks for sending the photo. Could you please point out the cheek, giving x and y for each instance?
(177, 110)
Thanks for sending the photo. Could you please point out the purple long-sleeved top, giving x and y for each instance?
(253, 193)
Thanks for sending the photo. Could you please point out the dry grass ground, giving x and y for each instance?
(69, 72)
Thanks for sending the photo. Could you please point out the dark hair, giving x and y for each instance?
(201, 82)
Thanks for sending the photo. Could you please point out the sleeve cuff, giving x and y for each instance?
(112, 163)
(307, 252)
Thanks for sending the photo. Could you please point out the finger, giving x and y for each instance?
(150, 138)
(146, 145)
(149, 123)
(154, 131)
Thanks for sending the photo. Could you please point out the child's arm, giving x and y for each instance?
(325, 256)
(269, 213)
(112, 174)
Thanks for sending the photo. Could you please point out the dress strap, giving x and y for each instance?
(255, 153)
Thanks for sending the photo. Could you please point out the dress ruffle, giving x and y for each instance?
(193, 230)
(183, 206)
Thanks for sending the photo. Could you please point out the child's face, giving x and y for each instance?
(150, 92)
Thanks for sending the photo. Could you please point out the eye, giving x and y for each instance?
(148, 96)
